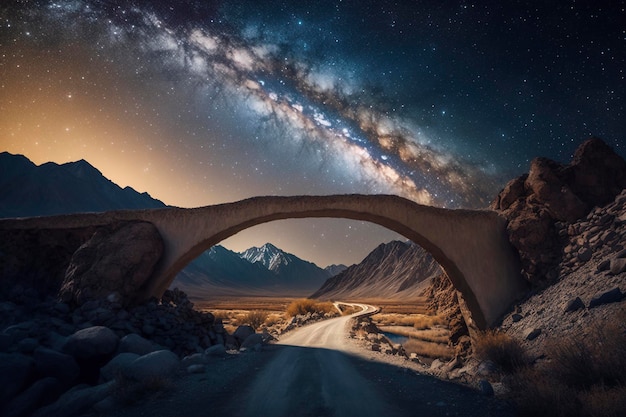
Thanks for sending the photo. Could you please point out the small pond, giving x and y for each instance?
(396, 338)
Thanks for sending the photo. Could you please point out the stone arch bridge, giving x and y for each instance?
(470, 245)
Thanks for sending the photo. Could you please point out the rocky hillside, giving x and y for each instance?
(553, 192)
(591, 282)
(392, 270)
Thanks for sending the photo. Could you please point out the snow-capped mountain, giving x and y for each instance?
(290, 269)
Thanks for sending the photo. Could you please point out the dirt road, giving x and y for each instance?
(315, 371)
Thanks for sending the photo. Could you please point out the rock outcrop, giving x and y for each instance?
(112, 263)
(551, 193)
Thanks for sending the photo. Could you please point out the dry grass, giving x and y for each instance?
(307, 305)
(428, 349)
(417, 321)
(503, 350)
(270, 304)
(255, 318)
(585, 377)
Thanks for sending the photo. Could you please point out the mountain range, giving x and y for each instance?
(265, 270)
(28, 190)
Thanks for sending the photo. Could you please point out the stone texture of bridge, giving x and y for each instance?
(471, 246)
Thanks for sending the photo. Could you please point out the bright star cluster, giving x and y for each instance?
(202, 102)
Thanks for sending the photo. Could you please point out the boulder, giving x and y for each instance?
(553, 193)
(195, 369)
(612, 296)
(531, 334)
(50, 363)
(195, 359)
(117, 365)
(618, 265)
(598, 173)
(485, 387)
(574, 305)
(215, 350)
(41, 393)
(115, 260)
(159, 364)
(76, 401)
(134, 343)
(15, 371)
(91, 342)
(242, 332)
(584, 254)
(253, 340)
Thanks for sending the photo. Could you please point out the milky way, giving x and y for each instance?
(439, 104)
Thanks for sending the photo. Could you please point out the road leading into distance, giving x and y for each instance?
(312, 375)
(315, 372)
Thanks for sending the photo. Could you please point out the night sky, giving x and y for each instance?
(204, 102)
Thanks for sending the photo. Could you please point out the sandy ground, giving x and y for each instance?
(315, 370)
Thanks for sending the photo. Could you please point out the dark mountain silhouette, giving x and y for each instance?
(76, 187)
(392, 270)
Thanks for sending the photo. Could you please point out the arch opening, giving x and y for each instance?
(449, 267)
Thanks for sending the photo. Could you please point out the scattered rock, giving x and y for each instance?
(516, 317)
(485, 387)
(531, 334)
(584, 254)
(618, 265)
(612, 296)
(574, 305)
(604, 265)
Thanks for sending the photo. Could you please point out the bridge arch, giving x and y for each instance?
(470, 245)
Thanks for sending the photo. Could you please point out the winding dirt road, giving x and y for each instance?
(315, 371)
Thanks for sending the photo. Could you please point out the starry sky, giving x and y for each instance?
(205, 102)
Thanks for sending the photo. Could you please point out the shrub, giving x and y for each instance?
(255, 318)
(500, 348)
(306, 305)
(583, 377)
(599, 359)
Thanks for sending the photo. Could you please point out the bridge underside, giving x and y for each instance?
(471, 246)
